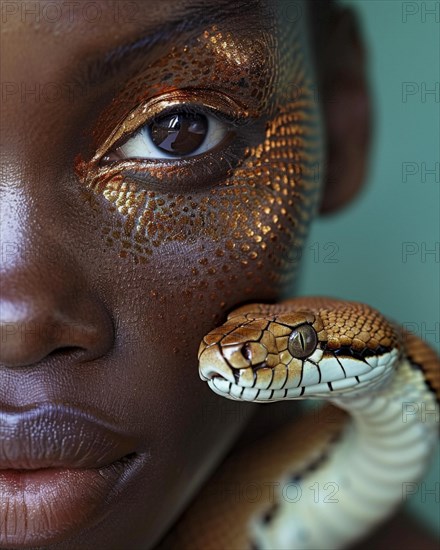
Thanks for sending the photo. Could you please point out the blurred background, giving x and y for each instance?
(385, 248)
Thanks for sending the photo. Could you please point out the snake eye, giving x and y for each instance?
(246, 352)
(302, 341)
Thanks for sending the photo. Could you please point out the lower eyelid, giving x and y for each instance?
(192, 174)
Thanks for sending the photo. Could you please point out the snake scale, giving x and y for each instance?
(330, 479)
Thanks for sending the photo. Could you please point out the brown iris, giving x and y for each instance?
(179, 133)
(303, 341)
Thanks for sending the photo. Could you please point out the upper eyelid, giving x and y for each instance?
(141, 115)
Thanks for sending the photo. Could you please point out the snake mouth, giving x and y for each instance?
(368, 377)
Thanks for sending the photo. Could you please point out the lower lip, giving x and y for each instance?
(40, 507)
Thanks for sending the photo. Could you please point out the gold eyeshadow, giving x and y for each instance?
(252, 210)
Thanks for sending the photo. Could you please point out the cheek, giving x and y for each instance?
(248, 224)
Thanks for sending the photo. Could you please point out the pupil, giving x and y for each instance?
(180, 133)
(303, 341)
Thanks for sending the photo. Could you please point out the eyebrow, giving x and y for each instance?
(195, 17)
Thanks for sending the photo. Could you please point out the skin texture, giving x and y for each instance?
(103, 300)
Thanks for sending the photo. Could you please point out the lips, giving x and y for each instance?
(54, 436)
(59, 467)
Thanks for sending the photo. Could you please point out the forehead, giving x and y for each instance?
(58, 37)
(112, 22)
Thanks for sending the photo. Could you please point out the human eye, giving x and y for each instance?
(183, 131)
(185, 139)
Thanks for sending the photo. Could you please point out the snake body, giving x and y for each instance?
(329, 480)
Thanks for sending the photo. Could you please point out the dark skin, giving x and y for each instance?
(113, 314)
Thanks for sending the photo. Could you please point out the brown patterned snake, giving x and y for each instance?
(328, 480)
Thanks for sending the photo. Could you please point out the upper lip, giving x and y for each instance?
(59, 436)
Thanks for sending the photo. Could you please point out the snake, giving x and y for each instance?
(345, 466)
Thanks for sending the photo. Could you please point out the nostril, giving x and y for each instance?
(246, 352)
(66, 350)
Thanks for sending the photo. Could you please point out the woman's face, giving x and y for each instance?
(158, 164)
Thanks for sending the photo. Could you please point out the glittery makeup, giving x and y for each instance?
(256, 189)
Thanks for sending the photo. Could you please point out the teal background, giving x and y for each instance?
(365, 261)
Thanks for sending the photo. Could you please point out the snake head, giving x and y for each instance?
(269, 355)
(258, 352)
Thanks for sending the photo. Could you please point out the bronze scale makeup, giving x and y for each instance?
(233, 201)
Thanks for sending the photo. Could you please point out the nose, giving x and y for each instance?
(47, 309)
(50, 299)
